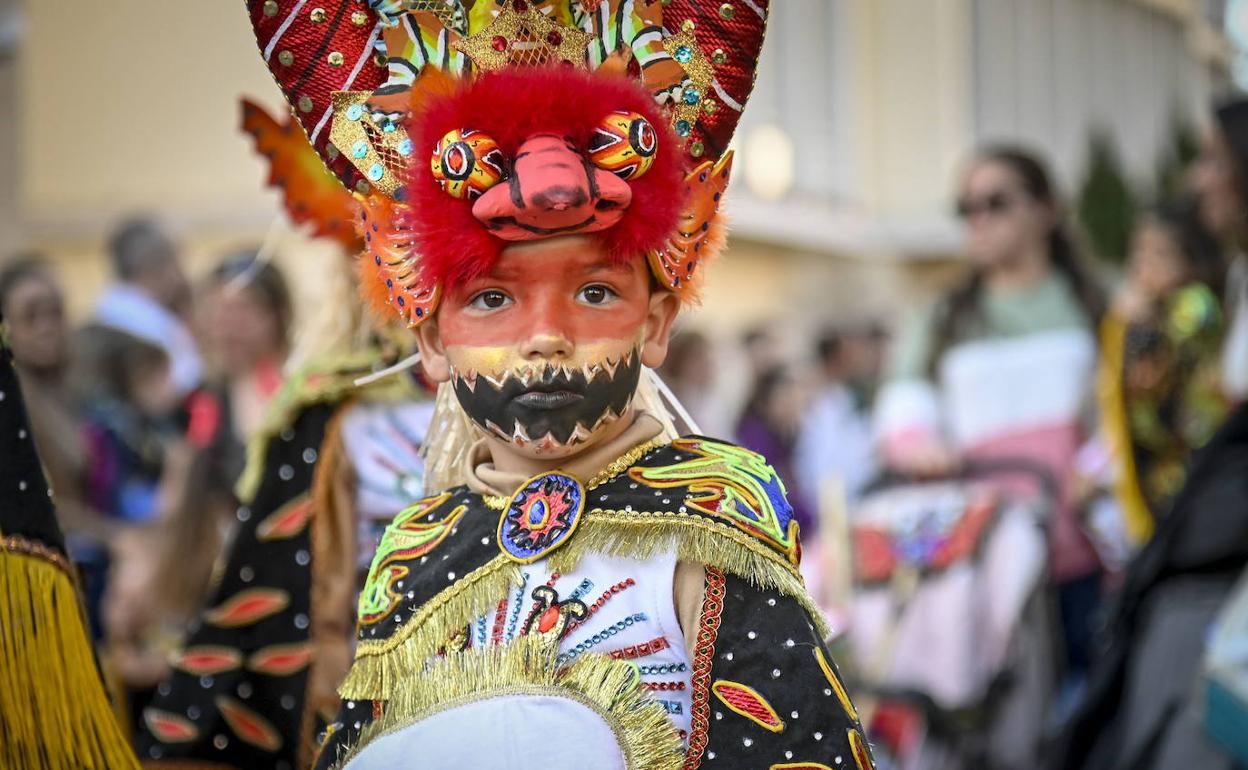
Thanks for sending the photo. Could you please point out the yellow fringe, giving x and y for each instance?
(55, 712)
(610, 688)
(381, 665)
(1113, 410)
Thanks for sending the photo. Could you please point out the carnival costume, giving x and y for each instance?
(549, 621)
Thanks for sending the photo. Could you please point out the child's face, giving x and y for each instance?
(153, 390)
(1157, 264)
(545, 352)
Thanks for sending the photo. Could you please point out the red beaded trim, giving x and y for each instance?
(665, 686)
(500, 619)
(703, 653)
(607, 594)
(641, 650)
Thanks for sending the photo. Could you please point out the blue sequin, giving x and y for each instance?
(359, 149)
(376, 172)
(355, 112)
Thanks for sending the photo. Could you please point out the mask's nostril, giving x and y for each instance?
(605, 204)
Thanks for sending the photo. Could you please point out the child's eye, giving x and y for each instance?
(490, 299)
(596, 294)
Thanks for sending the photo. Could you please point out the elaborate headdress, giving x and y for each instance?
(464, 126)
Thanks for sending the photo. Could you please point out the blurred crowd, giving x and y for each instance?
(141, 416)
(1076, 395)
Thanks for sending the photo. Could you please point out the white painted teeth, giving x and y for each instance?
(497, 431)
(520, 436)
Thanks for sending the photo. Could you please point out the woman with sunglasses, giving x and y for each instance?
(1002, 367)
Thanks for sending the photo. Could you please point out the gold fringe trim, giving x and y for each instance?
(380, 665)
(55, 711)
(527, 666)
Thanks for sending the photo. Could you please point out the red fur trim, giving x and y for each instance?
(512, 105)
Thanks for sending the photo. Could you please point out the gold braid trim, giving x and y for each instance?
(615, 468)
(381, 664)
(624, 462)
(526, 666)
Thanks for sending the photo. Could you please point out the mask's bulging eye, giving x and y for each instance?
(625, 144)
(466, 163)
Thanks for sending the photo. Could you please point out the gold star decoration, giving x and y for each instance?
(523, 34)
(445, 10)
(700, 73)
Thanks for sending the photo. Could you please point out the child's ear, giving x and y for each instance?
(432, 352)
(664, 307)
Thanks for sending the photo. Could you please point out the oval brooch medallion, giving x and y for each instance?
(540, 517)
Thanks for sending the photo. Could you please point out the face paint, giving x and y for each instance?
(545, 352)
(552, 406)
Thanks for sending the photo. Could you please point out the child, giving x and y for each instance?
(583, 588)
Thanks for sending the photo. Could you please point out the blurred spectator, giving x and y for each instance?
(1218, 178)
(1160, 394)
(769, 425)
(245, 317)
(1002, 367)
(835, 440)
(690, 372)
(1146, 704)
(151, 297)
(34, 308)
(762, 351)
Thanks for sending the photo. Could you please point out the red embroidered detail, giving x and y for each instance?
(641, 650)
(749, 703)
(664, 686)
(607, 594)
(248, 725)
(379, 709)
(281, 659)
(287, 521)
(500, 619)
(169, 727)
(207, 660)
(703, 653)
(862, 757)
(537, 605)
(247, 607)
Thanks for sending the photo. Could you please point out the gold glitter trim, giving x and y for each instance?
(528, 666)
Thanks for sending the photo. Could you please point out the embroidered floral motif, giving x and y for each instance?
(703, 654)
(407, 538)
(731, 484)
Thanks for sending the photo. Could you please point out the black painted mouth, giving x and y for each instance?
(564, 403)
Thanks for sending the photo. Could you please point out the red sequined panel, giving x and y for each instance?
(314, 49)
(730, 34)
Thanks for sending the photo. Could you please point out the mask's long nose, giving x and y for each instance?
(553, 190)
